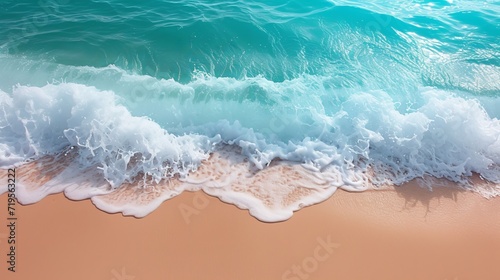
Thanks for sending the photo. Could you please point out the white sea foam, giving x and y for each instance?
(265, 146)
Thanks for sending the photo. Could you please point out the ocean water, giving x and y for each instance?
(269, 105)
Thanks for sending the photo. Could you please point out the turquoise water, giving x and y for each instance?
(431, 43)
(404, 88)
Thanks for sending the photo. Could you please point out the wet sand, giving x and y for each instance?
(407, 233)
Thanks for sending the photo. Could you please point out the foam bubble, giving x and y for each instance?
(87, 143)
(44, 120)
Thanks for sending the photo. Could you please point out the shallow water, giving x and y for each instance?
(338, 93)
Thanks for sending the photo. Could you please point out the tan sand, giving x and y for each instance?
(409, 233)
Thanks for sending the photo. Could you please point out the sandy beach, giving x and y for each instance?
(406, 233)
(249, 140)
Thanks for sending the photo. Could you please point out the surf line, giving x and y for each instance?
(11, 219)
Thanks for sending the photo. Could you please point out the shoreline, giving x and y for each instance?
(403, 233)
(271, 194)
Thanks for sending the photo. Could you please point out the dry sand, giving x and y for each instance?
(407, 233)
